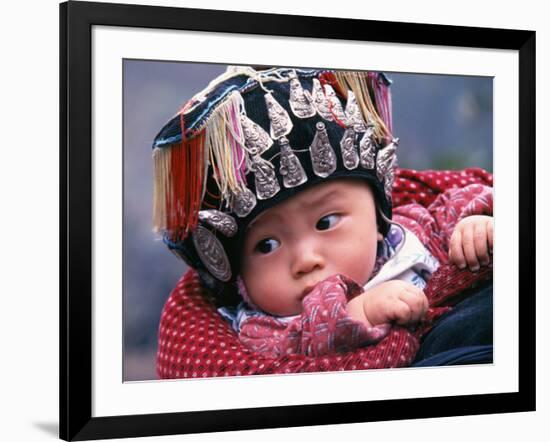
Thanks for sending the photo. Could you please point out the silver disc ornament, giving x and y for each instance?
(212, 253)
(222, 222)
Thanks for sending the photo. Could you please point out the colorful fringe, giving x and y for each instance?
(180, 170)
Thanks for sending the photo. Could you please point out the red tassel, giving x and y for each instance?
(183, 200)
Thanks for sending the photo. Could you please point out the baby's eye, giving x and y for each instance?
(328, 221)
(267, 245)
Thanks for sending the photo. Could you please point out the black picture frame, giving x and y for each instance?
(76, 240)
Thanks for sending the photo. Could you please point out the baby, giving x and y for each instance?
(253, 194)
(333, 231)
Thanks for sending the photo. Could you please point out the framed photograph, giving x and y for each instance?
(207, 134)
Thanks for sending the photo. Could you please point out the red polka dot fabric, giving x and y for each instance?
(196, 342)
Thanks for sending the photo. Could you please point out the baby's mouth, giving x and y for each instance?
(307, 290)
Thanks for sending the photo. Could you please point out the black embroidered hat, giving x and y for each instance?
(254, 138)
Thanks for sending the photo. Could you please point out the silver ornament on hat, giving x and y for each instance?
(367, 148)
(300, 100)
(350, 157)
(334, 103)
(320, 101)
(220, 221)
(212, 253)
(290, 167)
(354, 118)
(243, 202)
(322, 154)
(280, 122)
(256, 139)
(265, 178)
(385, 165)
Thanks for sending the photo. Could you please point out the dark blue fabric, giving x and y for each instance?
(462, 336)
(474, 354)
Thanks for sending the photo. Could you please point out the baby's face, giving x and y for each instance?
(327, 229)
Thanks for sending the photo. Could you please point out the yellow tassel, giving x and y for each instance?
(358, 84)
(161, 184)
(225, 144)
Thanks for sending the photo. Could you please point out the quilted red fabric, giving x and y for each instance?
(195, 341)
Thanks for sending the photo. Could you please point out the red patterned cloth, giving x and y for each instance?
(195, 341)
(324, 326)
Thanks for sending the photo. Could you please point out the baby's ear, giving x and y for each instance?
(379, 236)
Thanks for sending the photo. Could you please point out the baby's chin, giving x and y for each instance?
(282, 311)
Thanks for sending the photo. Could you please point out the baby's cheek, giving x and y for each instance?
(264, 285)
(357, 261)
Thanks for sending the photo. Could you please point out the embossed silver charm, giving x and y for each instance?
(300, 100)
(220, 221)
(322, 154)
(211, 253)
(320, 101)
(367, 149)
(243, 202)
(385, 164)
(353, 114)
(265, 178)
(334, 104)
(281, 124)
(350, 157)
(256, 139)
(290, 168)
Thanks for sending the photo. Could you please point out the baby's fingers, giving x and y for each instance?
(480, 243)
(417, 302)
(490, 228)
(456, 254)
(469, 247)
(400, 312)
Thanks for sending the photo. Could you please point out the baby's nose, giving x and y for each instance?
(307, 258)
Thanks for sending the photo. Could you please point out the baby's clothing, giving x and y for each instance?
(324, 326)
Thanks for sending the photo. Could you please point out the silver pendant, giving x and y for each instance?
(243, 202)
(281, 124)
(350, 157)
(290, 168)
(220, 221)
(322, 154)
(265, 178)
(300, 100)
(367, 149)
(388, 184)
(320, 101)
(334, 104)
(256, 139)
(353, 114)
(385, 164)
(211, 253)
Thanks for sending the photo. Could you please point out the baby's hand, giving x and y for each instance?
(472, 242)
(395, 301)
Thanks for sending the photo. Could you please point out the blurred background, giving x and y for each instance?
(442, 121)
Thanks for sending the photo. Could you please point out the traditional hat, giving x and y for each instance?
(254, 138)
